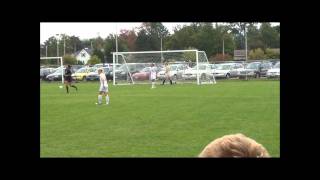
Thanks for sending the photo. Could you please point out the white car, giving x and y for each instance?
(274, 72)
(176, 71)
(205, 71)
(227, 70)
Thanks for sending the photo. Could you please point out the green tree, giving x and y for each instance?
(128, 37)
(149, 36)
(189, 56)
(69, 59)
(270, 36)
(254, 37)
(110, 46)
(94, 60)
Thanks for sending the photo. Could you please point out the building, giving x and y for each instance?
(239, 55)
(83, 55)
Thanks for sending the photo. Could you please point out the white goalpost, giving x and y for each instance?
(186, 66)
(61, 64)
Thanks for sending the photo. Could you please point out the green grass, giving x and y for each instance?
(169, 121)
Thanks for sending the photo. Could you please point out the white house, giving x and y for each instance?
(83, 55)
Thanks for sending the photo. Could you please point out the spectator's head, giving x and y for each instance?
(235, 145)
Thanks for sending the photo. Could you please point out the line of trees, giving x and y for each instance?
(208, 37)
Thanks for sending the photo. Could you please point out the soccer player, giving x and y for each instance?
(153, 74)
(167, 74)
(103, 90)
(68, 78)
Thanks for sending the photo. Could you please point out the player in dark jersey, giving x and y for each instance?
(68, 78)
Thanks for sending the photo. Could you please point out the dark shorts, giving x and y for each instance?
(68, 79)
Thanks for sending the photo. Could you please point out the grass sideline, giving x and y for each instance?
(169, 121)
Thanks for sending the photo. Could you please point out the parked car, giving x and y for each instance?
(144, 74)
(82, 73)
(122, 73)
(109, 65)
(205, 71)
(44, 72)
(176, 71)
(94, 76)
(76, 67)
(56, 76)
(256, 69)
(274, 72)
(227, 70)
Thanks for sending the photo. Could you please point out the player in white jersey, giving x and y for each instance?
(103, 90)
(167, 73)
(153, 75)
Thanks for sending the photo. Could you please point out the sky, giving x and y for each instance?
(92, 30)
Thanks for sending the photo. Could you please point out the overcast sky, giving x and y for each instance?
(91, 30)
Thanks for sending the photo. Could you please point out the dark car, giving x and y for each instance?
(256, 69)
(124, 71)
(57, 75)
(94, 76)
(44, 72)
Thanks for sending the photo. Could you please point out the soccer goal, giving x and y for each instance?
(54, 65)
(186, 66)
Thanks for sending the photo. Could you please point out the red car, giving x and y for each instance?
(144, 74)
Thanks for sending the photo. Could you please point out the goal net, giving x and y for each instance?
(185, 66)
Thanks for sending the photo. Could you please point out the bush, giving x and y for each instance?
(257, 54)
(272, 53)
(94, 60)
(69, 59)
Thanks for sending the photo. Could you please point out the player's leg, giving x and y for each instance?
(100, 98)
(100, 95)
(153, 83)
(67, 86)
(107, 97)
(73, 86)
(106, 94)
(165, 78)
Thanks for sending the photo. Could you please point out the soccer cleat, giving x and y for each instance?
(98, 103)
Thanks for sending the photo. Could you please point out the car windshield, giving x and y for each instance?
(173, 68)
(147, 69)
(223, 67)
(277, 65)
(58, 71)
(203, 67)
(253, 66)
(93, 69)
(82, 70)
(123, 67)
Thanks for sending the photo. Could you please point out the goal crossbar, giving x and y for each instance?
(143, 52)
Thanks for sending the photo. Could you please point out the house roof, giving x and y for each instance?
(89, 51)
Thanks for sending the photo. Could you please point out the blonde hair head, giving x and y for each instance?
(235, 145)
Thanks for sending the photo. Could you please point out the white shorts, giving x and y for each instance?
(153, 77)
(103, 88)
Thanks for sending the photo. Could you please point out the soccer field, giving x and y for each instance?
(169, 121)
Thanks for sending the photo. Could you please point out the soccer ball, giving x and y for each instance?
(60, 87)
